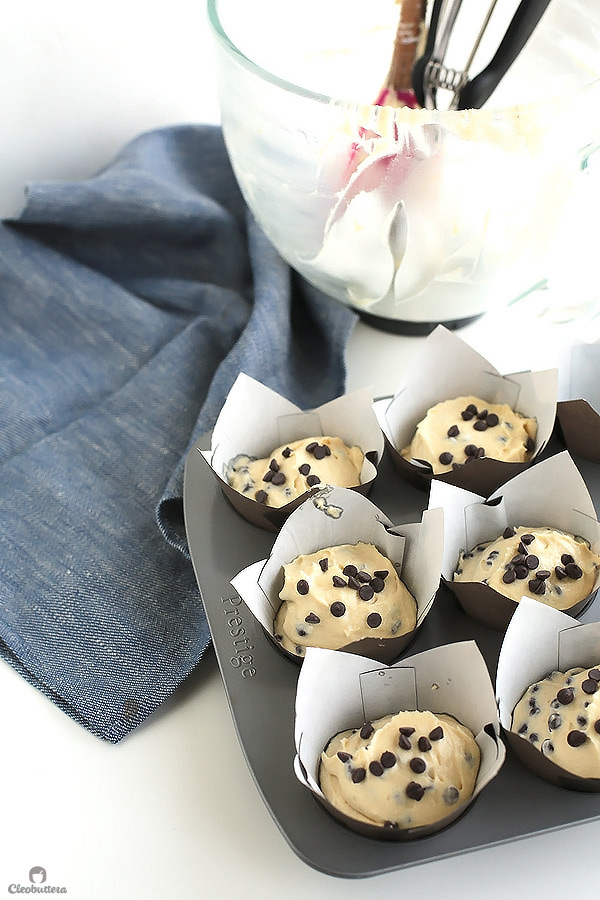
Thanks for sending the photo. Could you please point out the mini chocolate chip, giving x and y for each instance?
(532, 562)
(451, 795)
(377, 584)
(508, 532)
(527, 538)
(519, 559)
(424, 744)
(367, 730)
(407, 730)
(573, 570)
(595, 674)
(480, 425)
(327, 449)
(547, 747)
(358, 775)
(597, 726)
(576, 738)
(536, 586)
(589, 686)
(404, 742)
(509, 576)
(523, 728)
(414, 791)
(274, 465)
(353, 583)
(287, 452)
(299, 650)
(324, 563)
(375, 768)
(482, 414)
(304, 469)
(436, 734)
(381, 573)
(320, 452)
(453, 431)
(467, 415)
(278, 478)
(388, 759)
(470, 450)
(418, 765)
(491, 420)
(337, 609)
(374, 620)
(582, 721)
(480, 453)
(566, 695)
(310, 448)
(566, 558)
(268, 476)
(312, 480)
(445, 458)
(312, 618)
(364, 577)
(543, 574)
(560, 572)
(534, 737)
(260, 496)
(337, 581)
(300, 631)
(554, 721)
(349, 570)
(521, 572)
(366, 592)
(302, 586)
(343, 757)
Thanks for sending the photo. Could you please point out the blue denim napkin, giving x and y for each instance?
(128, 305)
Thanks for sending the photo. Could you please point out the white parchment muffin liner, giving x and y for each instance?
(255, 420)
(335, 516)
(446, 368)
(551, 493)
(538, 641)
(337, 691)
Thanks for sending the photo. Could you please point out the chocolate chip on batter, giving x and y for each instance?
(480, 425)
(320, 451)
(278, 478)
(597, 726)
(523, 728)
(560, 572)
(453, 431)
(566, 558)
(337, 609)
(287, 452)
(536, 586)
(547, 747)
(445, 458)
(337, 581)
(424, 744)
(573, 570)
(576, 738)
(509, 576)
(519, 559)
(381, 573)
(470, 450)
(358, 775)
(310, 448)
(543, 574)
(436, 734)
(527, 539)
(343, 756)
(366, 592)
(377, 584)
(367, 730)
(589, 686)
(508, 532)
(407, 730)
(388, 759)
(268, 476)
(302, 586)
(374, 620)
(404, 742)
(324, 563)
(260, 496)
(532, 562)
(312, 480)
(565, 696)
(554, 721)
(375, 768)
(414, 790)
(521, 572)
(274, 465)
(364, 577)
(300, 631)
(595, 674)
(491, 420)
(304, 469)
(312, 618)
(418, 765)
(353, 582)
(349, 569)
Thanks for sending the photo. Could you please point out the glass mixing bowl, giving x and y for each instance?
(410, 216)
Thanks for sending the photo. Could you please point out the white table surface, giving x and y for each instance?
(172, 811)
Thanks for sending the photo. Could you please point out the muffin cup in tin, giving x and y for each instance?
(579, 418)
(335, 516)
(447, 368)
(552, 494)
(538, 641)
(337, 691)
(255, 420)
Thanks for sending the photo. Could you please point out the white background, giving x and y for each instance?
(172, 811)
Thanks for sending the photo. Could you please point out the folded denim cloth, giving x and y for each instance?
(129, 303)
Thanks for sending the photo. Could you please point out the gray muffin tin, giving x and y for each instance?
(260, 684)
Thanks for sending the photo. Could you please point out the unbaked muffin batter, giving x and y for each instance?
(339, 595)
(294, 468)
(560, 716)
(552, 566)
(458, 431)
(401, 771)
